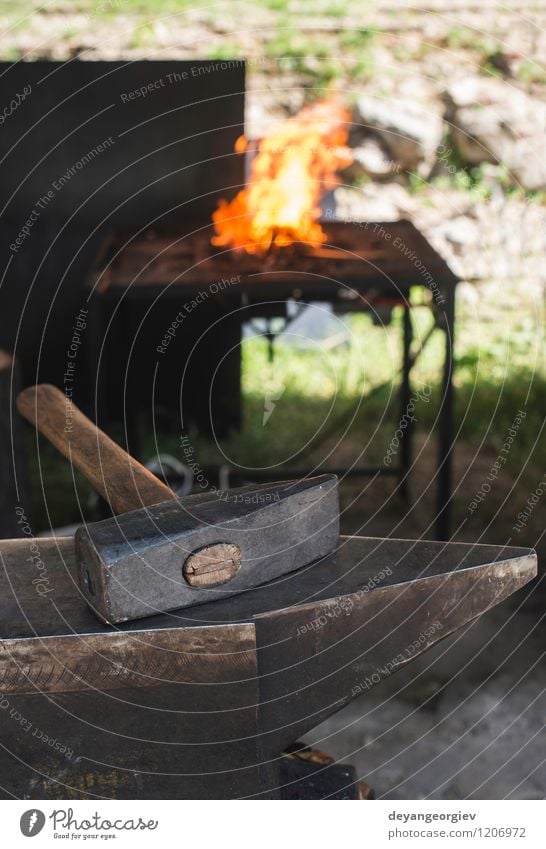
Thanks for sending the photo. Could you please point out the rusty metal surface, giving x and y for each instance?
(200, 702)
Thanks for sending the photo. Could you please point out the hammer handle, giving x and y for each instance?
(121, 480)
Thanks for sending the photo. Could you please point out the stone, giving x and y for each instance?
(410, 130)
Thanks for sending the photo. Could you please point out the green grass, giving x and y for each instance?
(143, 36)
(466, 179)
(319, 401)
(358, 39)
(320, 394)
(460, 37)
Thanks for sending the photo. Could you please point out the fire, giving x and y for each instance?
(292, 169)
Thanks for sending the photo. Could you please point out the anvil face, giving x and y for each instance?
(141, 563)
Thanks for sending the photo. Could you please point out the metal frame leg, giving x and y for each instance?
(446, 434)
(130, 411)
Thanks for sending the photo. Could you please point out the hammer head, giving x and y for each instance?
(204, 547)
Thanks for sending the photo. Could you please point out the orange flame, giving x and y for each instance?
(294, 166)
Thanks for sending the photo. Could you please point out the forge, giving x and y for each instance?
(141, 280)
(131, 239)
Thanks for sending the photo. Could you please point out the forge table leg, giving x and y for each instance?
(405, 417)
(130, 400)
(446, 435)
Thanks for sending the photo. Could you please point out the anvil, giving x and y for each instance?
(201, 702)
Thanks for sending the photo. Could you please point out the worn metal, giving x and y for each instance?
(200, 703)
(364, 266)
(173, 554)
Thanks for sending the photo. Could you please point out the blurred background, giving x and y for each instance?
(447, 129)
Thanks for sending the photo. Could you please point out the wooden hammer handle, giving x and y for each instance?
(118, 477)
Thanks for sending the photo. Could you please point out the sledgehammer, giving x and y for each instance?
(163, 552)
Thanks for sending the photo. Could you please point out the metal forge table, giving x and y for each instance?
(200, 703)
(361, 267)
